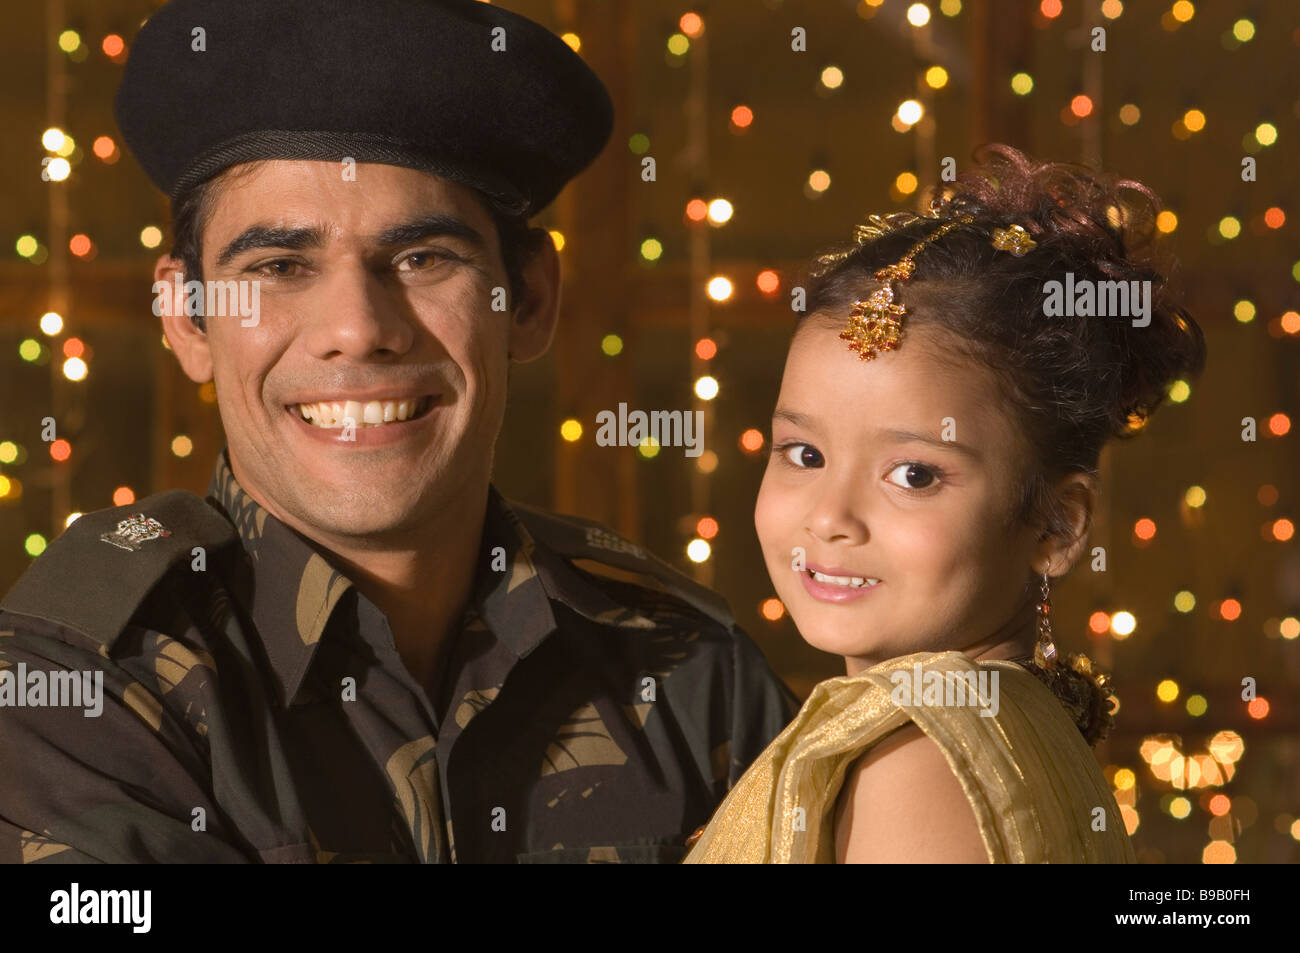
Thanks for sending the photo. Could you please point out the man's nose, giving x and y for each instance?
(356, 313)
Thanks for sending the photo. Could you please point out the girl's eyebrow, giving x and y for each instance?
(911, 436)
(799, 420)
(890, 434)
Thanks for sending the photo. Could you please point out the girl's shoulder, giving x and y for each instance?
(1030, 780)
(963, 704)
(902, 803)
(1011, 750)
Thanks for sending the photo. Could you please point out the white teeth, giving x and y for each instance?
(375, 413)
(856, 582)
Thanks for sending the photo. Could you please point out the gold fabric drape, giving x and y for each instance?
(1032, 781)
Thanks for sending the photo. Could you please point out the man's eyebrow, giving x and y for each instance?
(271, 236)
(404, 233)
(430, 226)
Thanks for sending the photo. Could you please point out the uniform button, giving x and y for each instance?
(690, 841)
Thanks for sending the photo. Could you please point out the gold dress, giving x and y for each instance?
(1032, 780)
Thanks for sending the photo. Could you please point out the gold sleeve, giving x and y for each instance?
(1033, 783)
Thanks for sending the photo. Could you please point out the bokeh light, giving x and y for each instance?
(719, 288)
(698, 550)
(720, 211)
(1122, 624)
(910, 112)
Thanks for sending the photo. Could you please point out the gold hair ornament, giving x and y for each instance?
(1014, 239)
(874, 326)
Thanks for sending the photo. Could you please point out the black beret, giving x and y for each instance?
(418, 83)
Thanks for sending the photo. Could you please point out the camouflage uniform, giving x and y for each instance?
(578, 717)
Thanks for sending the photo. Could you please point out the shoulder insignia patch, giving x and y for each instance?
(600, 538)
(94, 589)
(133, 531)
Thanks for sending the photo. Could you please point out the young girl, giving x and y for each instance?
(933, 468)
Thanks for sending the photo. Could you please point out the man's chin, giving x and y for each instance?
(350, 507)
(361, 524)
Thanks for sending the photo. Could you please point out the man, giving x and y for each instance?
(355, 649)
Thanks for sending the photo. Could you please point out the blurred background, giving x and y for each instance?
(677, 297)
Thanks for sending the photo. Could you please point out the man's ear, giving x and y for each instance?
(532, 325)
(1076, 497)
(189, 344)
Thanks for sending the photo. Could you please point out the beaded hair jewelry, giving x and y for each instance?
(874, 324)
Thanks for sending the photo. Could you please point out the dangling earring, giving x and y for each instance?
(1045, 648)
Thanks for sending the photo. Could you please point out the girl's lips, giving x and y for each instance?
(835, 571)
(830, 592)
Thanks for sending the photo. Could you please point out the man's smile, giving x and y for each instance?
(375, 423)
(334, 414)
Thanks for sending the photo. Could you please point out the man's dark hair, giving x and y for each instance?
(191, 210)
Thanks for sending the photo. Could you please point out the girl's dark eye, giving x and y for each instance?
(917, 476)
(801, 455)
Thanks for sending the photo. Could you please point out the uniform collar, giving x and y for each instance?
(296, 591)
(294, 588)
